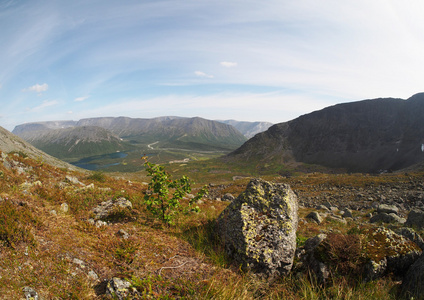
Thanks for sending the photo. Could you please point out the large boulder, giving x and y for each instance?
(259, 228)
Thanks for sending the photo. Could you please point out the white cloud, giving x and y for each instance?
(46, 103)
(203, 74)
(228, 64)
(37, 88)
(79, 99)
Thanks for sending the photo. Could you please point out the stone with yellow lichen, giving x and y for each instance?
(259, 228)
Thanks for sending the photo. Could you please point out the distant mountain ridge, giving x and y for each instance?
(362, 136)
(248, 129)
(60, 137)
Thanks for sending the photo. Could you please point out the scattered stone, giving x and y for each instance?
(323, 207)
(228, 197)
(30, 293)
(347, 213)
(105, 208)
(259, 228)
(93, 275)
(73, 180)
(123, 234)
(315, 216)
(64, 207)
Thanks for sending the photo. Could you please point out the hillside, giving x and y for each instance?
(363, 136)
(12, 143)
(76, 142)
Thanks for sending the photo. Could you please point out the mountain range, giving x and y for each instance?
(363, 136)
(95, 136)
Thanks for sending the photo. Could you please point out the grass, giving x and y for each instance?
(43, 250)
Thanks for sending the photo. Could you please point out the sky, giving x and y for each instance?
(246, 60)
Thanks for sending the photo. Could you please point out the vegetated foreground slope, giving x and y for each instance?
(49, 245)
(363, 136)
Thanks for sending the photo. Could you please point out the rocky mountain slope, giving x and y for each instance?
(363, 136)
(248, 129)
(12, 143)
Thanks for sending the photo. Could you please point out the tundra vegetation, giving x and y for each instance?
(63, 251)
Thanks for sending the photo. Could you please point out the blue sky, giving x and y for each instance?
(246, 60)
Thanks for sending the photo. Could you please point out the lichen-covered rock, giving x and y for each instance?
(387, 251)
(369, 255)
(30, 293)
(413, 236)
(118, 288)
(413, 281)
(259, 228)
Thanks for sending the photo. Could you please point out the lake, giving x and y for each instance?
(98, 162)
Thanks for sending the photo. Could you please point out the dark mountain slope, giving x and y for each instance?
(365, 136)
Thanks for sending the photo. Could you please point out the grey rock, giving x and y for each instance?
(228, 197)
(259, 228)
(323, 207)
(73, 180)
(314, 215)
(93, 275)
(387, 218)
(105, 208)
(388, 209)
(415, 219)
(314, 242)
(347, 213)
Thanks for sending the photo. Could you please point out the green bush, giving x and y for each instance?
(164, 194)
